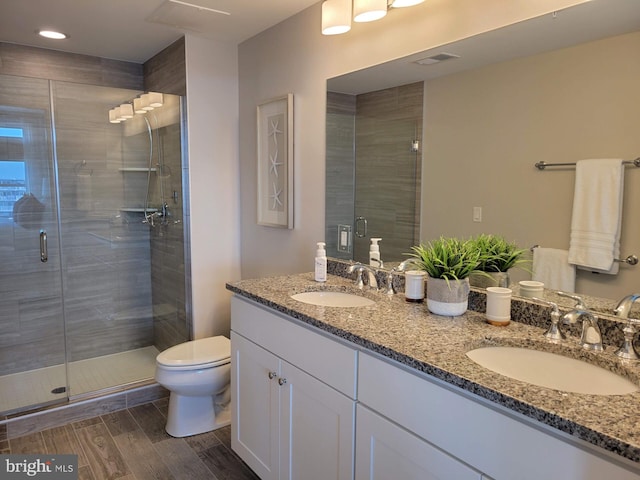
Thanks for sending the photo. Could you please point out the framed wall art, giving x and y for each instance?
(275, 162)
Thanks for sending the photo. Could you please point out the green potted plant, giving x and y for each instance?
(497, 257)
(448, 263)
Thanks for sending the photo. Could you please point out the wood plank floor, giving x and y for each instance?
(131, 444)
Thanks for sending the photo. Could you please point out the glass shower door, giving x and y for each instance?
(32, 344)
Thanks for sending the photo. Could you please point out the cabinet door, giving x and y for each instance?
(385, 451)
(317, 429)
(255, 390)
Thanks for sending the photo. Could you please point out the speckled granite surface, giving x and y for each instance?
(437, 346)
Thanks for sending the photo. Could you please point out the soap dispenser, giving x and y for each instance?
(374, 253)
(321, 263)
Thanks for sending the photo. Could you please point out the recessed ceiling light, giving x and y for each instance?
(53, 34)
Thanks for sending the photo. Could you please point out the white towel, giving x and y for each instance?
(551, 267)
(597, 215)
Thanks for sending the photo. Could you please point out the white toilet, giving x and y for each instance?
(197, 373)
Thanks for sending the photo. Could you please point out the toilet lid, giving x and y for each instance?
(211, 350)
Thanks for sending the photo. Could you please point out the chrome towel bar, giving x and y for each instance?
(630, 260)
(543, 165)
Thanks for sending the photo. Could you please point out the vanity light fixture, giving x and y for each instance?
(139, 105)
(52, 34)
(369, 10)
(336, 17)
(336, 14)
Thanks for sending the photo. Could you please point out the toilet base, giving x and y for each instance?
(193, 415)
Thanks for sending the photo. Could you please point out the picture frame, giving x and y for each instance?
(275, 162)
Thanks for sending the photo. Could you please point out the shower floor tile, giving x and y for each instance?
(35, 387)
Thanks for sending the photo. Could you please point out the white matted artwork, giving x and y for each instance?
(275, 162)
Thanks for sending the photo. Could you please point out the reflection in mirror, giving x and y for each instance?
(558, 88)
(374, 171)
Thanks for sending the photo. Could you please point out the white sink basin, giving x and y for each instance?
(332, 299)
(551, 370)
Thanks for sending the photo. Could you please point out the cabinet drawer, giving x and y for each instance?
(321, 357)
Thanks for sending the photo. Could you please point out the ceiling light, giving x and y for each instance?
(369, 10)
(336, 16)
(405, 3)
(52, 34)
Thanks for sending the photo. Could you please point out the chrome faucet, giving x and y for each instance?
(360, 268)
(400, 268)
(404, 263)
(622, 310)
(591, 338)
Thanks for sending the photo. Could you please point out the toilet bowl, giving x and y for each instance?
(197, 373)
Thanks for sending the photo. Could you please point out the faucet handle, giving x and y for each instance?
(580, 305)
(390, 289)
(554, 333)
(627, 350)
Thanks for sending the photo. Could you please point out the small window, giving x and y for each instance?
(13, 178)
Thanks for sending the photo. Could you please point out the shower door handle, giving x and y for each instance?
(44, 256)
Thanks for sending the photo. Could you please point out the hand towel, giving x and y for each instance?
(551, 267)
(597, 215)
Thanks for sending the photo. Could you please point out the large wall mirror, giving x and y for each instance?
(417, 145)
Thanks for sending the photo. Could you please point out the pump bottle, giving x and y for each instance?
(374, 253)
(321, 263)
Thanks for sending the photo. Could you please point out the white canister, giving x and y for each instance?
(498, 305)
(531, 288)
(414, 285)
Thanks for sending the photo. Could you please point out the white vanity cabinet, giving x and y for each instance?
(464, 431)
(293, 394)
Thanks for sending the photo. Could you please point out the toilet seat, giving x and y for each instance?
(202, 353)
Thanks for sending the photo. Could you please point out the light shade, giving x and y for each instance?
(145, 97)
(155, 99)
(126, 110)
(138, 105)
(369, 10)
(113, 116)
(405, 3)
(336, 17)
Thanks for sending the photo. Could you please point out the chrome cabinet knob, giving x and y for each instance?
(282, 381)
(272, 375)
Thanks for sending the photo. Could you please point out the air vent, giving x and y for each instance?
(440, 57)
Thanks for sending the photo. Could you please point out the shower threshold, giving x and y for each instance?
(44, 386)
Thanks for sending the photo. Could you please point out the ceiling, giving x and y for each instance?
(585, 22)
(135, 30)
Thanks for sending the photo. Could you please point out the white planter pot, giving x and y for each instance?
(447, 298)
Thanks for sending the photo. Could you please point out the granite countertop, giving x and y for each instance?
(436, 345)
